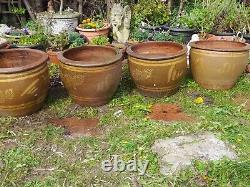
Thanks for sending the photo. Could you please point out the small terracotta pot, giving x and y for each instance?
(53, 57)
(217, 65)
(89, 34)
(24, 81)
(91, 74)
(157, 68)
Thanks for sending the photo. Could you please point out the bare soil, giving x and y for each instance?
(168, 112)
(243, 100)
(78, 127)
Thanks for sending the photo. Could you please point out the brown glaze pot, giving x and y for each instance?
(92, 33)
(91, 74)
(217, 65)
(157, 68)
(53, 57)
(24, 81)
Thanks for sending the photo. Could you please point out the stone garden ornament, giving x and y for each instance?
(120, 21)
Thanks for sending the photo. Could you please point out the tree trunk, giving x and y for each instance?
(170, 4)
(109, 7)
(181, 7)
(29, 9)
(38, 5)
(80, 7)
(61, 7)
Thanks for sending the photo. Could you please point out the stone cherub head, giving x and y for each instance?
(120, 21)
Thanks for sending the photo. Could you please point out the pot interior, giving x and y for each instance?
(156, 50)
(90, 55)
(221, 45)
(12, 58)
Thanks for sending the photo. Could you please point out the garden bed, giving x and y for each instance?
(33, 151)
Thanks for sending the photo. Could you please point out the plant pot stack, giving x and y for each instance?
(186, 34)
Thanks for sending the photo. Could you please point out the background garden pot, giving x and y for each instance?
(35, 46)
(89, 34)
(186, 34)
(53, 56)
(91, 74)
(157, 68)
(247, 38)
(24, 81)
(56, 23)
(224, 33)
(218, 64)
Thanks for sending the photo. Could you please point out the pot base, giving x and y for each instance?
(149, 92)
(211, 85)
(91, 102)
(21, 110)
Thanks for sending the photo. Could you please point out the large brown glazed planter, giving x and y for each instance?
(24, 81)
(157, 68)
(91, 74)
(217, 65)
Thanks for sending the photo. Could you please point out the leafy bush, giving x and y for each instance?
(242, 20)
(75, 39)
(162, 36)
(165, 36)
(152, 12)
(32, 39)
(58, 42)
(217, 16)
(140, 35)
(62, 41)
(100, 40)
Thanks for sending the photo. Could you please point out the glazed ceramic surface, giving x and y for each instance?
(157, 68)
(91, 74)
(24, 81)
(217, 65)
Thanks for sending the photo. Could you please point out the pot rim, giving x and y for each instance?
(131, 53)
(63, 60)
(197, 46)
(38, 62)
(56, 15)
(106, 27)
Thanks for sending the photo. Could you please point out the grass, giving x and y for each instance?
(36, 153)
